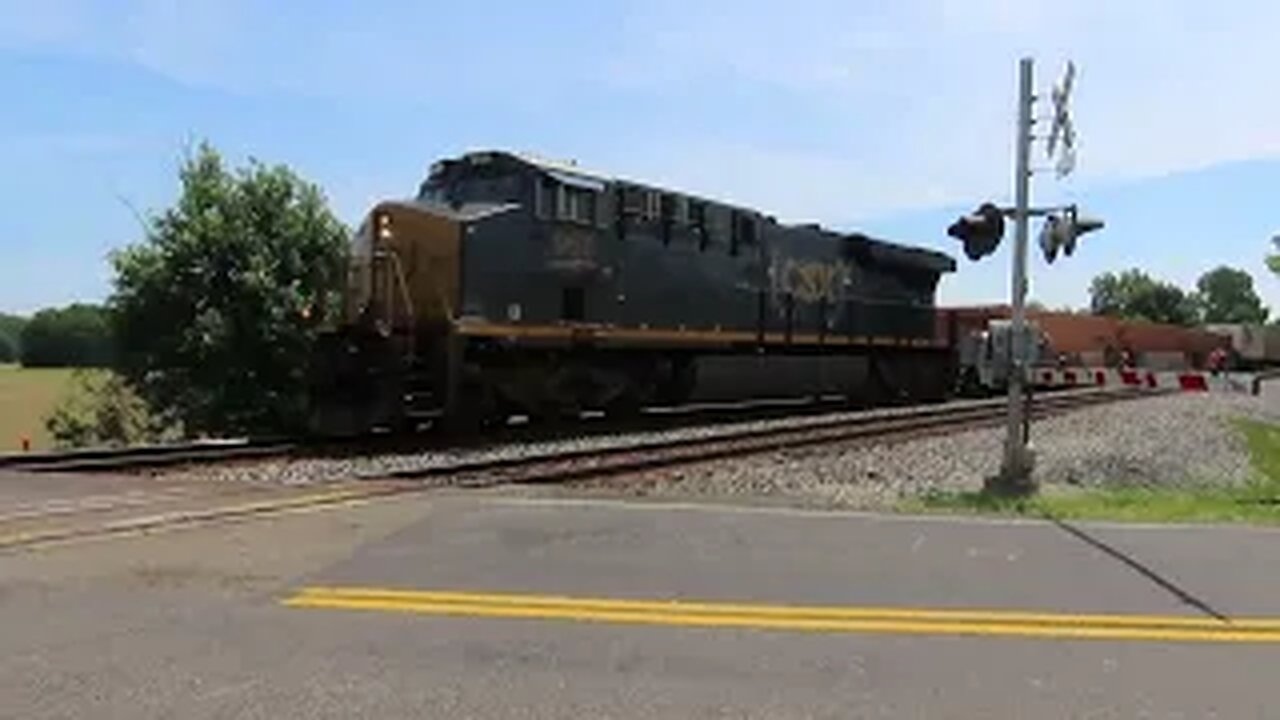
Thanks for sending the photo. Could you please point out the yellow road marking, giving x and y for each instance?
(796, 618)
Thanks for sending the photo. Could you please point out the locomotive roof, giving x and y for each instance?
(881, 250)
(892, 253)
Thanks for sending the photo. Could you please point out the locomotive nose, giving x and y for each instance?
(414, 260)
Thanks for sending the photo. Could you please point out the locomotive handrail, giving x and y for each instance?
(408, 298)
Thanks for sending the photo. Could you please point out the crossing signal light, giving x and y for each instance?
(980, 231)
(1060, 232)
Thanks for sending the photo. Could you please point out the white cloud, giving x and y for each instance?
(860, 108)
(1163, 87)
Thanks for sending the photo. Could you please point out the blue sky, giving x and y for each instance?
(885, 117)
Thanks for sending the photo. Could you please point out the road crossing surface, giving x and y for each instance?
(498, 605)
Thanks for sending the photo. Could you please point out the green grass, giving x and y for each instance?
(26, 396)
(1258, 501)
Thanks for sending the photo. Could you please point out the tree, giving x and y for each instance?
(1226, 295)
(78, 335)
(217, 309)
(1134, 295)
(10, 334)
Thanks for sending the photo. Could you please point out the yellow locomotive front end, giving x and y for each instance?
(379, 367)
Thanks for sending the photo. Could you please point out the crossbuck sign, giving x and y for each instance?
(1062, 130)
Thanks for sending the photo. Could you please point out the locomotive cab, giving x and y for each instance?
(392, 359)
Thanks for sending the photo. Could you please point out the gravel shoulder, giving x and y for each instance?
(1178, 441)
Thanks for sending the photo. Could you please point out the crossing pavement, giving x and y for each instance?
(493, 605)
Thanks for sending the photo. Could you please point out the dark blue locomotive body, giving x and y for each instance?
(516, 285)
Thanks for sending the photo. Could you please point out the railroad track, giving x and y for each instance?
(144, 456)
(870, 423)
(555, 466)
(595, 462)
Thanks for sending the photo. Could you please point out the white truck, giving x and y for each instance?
(985, 356)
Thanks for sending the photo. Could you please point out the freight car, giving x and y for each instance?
(1251, 347)
(516, 285)
(1099, 341)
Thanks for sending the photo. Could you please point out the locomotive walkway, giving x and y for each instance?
(493, 604)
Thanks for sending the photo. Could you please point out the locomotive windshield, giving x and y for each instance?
(461, 183)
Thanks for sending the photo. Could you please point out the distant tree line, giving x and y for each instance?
(1221, 295)
(77, 335)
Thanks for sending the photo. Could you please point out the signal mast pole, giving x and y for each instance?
(1015, 473)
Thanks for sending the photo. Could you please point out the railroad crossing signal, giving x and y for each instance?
(980, 231)
(1060, 232)
(1062, 129)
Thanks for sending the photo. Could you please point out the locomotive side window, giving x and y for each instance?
(576, 205)
(719, 224)
(698, 222)
(569, 197)
(604, 208)
(544, 198)
(652, 206)
(633, 201)
(748, 230)
(742, 231)
(668, 217)
(628, 204)
(620, 212)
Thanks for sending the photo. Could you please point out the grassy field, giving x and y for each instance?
(26, 396)
(1256, 502)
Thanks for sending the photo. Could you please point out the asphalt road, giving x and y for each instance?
(566, 613)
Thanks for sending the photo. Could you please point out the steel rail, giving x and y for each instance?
(718, 421)
(582, 463)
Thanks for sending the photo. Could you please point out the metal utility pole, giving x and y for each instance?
(1015, 472)
(981, 233)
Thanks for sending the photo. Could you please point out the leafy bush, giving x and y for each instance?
(217, 310)
(101, 409)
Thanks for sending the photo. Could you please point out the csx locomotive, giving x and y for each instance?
(515, 285)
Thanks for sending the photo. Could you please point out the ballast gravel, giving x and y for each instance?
(312, 470)
(1165, 441)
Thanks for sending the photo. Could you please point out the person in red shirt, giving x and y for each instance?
(1217, 360)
